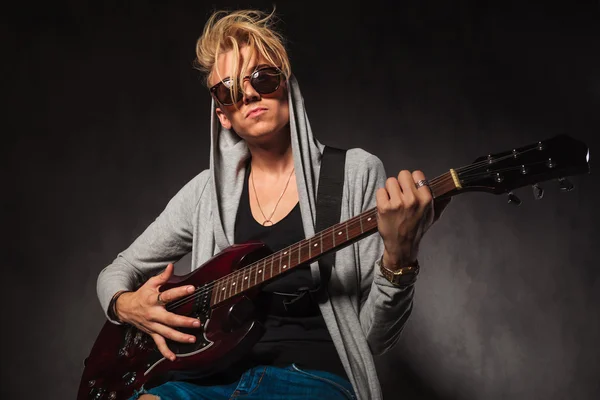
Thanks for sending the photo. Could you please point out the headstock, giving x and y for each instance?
(554, 158)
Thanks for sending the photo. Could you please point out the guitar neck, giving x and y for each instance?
(308, 250)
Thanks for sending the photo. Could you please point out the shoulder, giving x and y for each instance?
(193, 190)
(364, 175)
(364, 166)
(197, 184)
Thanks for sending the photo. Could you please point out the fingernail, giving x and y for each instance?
(190, 289)
(172, 358)
(192, 339)
(196, 324)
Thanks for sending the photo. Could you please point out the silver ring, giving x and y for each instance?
(421, 183)
(159, 301)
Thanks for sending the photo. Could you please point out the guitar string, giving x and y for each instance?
(482, 174)
(351, 223)
(306, 243)
(494, 160)
(299, 246)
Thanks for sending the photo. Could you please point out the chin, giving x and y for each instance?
(262, 131)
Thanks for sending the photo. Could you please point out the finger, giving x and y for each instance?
(176, 320)
(170, 333)
(176, 293)
(383, 201)
(409, 190)
(161, 344)
(423, 192)
(393, 188)
(163, 277)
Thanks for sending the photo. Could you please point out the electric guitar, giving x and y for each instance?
(123, 358)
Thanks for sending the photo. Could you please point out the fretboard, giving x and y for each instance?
(308, 250)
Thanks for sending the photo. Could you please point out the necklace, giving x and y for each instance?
(268, 221)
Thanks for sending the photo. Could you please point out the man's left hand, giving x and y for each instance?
(405, 213)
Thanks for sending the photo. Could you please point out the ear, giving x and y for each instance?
(223, 118)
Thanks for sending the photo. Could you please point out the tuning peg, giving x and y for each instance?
(565, 185)
(514, 200)
(538, 191)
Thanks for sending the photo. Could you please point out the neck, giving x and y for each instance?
(308, 250)
(275, 156)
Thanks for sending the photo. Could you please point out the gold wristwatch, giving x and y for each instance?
(402, 277)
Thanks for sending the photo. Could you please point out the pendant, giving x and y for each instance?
(268, 222)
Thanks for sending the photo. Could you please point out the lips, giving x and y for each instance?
(255, 112)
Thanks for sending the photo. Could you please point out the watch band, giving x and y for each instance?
(402, 277)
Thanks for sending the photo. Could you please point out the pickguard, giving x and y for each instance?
(185, 350)
(136, 340)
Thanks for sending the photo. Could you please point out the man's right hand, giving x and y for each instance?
(143, 310)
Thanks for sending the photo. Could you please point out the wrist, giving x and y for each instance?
(397, 263)
(402, 276)
(116, 304)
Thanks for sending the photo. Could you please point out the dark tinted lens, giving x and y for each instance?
(266, 80)
(223, 94)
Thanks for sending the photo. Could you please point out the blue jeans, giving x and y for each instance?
(263, 382)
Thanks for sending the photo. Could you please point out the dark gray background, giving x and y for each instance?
(106, 119)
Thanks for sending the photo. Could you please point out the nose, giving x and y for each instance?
(250, 94)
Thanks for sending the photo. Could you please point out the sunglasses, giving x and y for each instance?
(264, 80)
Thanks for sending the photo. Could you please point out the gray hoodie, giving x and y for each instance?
(364, 314)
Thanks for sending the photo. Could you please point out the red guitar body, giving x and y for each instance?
(123, 358)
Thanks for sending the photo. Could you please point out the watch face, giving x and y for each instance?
(403, 277)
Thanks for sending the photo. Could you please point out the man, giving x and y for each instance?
(264, 170)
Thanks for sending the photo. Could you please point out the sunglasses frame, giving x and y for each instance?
(214, 88)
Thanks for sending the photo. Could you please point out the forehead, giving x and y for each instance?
(226, 62)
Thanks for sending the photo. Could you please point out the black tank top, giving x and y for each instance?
(296, 332)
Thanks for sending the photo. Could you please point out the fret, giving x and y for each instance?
(339, 232)
(361, 225)
(230, 285)
(369, 219)
(289, 254)
(315, 245)
(255, 268)
(235, 284)
(321, 239)
(220, 290)
(247, 277)
(271, 267)
(346, 225)
(281, 264)
(217, 291)
(333, 235)
(309, 249)
(263, 270)
(239, 281)
(225, 287)
(298, 250)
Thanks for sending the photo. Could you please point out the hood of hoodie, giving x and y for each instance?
(228, 158)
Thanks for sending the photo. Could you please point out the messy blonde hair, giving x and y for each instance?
(225, 31)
